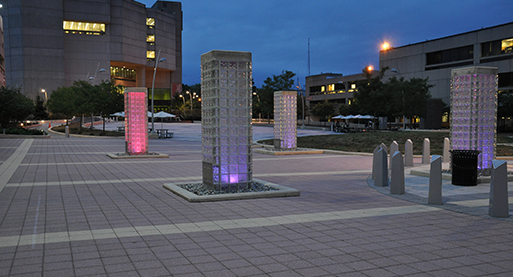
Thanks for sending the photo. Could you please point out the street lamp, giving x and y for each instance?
(393, 70)
(46, 95)
(190, 96)
(157, 61)
(183, 98)
(302, 103)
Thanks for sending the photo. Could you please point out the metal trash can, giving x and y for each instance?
(464, 167)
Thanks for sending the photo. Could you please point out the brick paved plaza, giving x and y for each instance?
(67, 209)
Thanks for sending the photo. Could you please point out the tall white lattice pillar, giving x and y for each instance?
(226, 80)
(474, 112)
(285, 124)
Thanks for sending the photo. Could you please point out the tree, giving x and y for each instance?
(415, 95)
(13, 105)
(63, 100)
(374, 91)
(283, 82)
(505, 105)
(108, 99)
(323, 110)
(393, 98)
(40, 108)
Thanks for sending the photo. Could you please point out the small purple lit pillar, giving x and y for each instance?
(285, 115)
(136, 121)
(226, 119)
(474, 112)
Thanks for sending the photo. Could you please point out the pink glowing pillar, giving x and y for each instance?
(136, 120)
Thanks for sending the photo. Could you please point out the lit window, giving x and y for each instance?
(150, 55)
(150, 38)
(323, 88)
(331, 87)
(123, 73)
(83, 28)
(353, 86)
(507, 46)
(150, 22)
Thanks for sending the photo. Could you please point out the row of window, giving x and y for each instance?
(95, 28)
(122, 73)
(491, 48)
(332, 88)
(83, 28)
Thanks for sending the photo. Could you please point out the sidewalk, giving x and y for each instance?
(69, 210)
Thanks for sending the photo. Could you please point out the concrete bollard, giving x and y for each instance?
(375, 162)
(435, 181)
(382, 169)
(408, 153)
(384, 146)
(393, 148)
(446, 154)
(397, 175)
(426, 152)
(499, 206)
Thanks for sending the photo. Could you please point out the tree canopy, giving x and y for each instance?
(265, 95)
(82, 97)
(393, 98)
(14, 105)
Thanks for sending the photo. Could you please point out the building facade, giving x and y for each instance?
(333, 87)
(434, 59)
(53, 43)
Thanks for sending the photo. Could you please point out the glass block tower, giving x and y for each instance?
(285, 114)
(474, 112)
(226, 80)
(136, 121)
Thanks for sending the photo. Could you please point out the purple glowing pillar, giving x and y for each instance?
(136, 121)
(226, 119)
(474, 112)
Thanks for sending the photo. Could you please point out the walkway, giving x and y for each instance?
(69, 210)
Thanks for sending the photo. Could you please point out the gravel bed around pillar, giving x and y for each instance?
(198, 192)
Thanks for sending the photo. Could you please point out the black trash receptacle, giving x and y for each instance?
(464, 167)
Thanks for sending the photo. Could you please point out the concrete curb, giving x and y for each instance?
(191, 197)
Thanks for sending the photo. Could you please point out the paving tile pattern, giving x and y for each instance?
(110, 211)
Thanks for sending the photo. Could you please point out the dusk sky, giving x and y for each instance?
(345, 35)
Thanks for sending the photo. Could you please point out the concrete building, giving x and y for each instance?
(434, 59)
(52, 43)
(334, 87)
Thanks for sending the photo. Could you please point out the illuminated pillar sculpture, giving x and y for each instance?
(285, 125)
(226, 119)
(136, 121)
(474, 112)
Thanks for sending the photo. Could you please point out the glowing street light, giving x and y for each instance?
(385, 46)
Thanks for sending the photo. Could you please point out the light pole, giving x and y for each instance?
(393, 70)
(157, 61)
(46, 95)
(303, 104)
(190, 96)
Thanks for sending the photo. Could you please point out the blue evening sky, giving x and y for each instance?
(345, 35)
